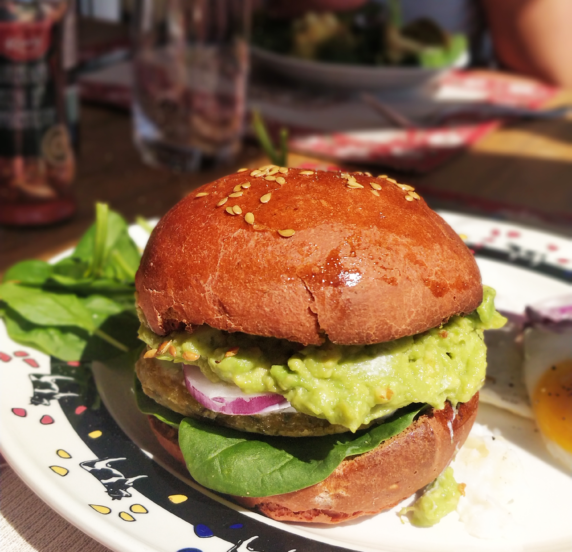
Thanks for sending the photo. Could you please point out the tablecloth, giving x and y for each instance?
(28, 524)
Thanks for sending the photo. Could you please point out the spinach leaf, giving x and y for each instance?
(32, 271)
(82, 307)
(106, 250)
(148, 406)
(47, 308)
(64, 342)
(88, 286)
(243, 464)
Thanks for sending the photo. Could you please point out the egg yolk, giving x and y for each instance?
(552, 404)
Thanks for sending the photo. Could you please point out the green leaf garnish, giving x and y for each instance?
(277, 156)
(81, 307)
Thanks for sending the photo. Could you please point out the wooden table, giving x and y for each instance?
(522, 172)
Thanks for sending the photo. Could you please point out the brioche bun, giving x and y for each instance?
(368, 483)
(360, 267)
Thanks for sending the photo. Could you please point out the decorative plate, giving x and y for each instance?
(76, 438)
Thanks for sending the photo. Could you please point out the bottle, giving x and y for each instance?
(37, 162)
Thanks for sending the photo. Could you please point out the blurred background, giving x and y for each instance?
(137, 102)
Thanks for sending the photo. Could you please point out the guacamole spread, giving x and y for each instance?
(439, 499)
(348, 385)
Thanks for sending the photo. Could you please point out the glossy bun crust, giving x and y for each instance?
(371, 482)
(360, 268)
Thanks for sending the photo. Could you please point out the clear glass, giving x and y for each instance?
(190, 77)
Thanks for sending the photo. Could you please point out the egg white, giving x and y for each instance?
(542, 350)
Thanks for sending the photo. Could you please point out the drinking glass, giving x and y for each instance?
(190, 74)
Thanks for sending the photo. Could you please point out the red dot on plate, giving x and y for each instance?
(513, 234)
(563, 261)
(31, 362)
(20, 354)
(495, 232)
(552, 247)
(4, 357)
(20, 412)
(80, 409)
(73, 363)
(46, 420)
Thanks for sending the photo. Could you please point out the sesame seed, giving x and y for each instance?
(265, 167)
(391, 179)
(172, 351)
(307, 172)
(222, 202)
(229, 211)
(286, 233)
(283, 170)
(409, 198)
(354, 185)
(358, 172)
(406, 187)
(367, 174)
(258, 227)
(237, 210)
(242, 170)
(273, 170)
(163, 347)
(280, 180)
(414, 195)
(265, 198)
(236, 188)
(202, 194)
(188, 355)
(256, 172)
(345, 175)
(375, 185)
(150, 353)
(464, 237)
(382, 176)
(375, 193)
(270, 178)
(231, 352)
(236, 194)
(249, 218)
(246, 185)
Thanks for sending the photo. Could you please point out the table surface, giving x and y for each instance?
(522, 172)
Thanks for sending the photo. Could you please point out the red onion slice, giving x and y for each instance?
(227, 398)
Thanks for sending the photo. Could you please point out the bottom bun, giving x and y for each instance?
(368, 483)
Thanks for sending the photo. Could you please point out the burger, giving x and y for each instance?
(314, 340)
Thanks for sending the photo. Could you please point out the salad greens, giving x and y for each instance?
(81, 307)
(370, 35)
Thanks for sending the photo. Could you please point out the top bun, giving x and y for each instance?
(357, 264)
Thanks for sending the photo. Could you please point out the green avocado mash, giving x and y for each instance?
(439, 499)
(345, 384)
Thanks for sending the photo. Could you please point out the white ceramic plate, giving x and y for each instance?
(96, 464)
(345, 76)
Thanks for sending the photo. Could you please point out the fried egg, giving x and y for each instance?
(548, 379)
(504, 384)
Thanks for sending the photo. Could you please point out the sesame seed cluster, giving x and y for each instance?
(274, 173)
